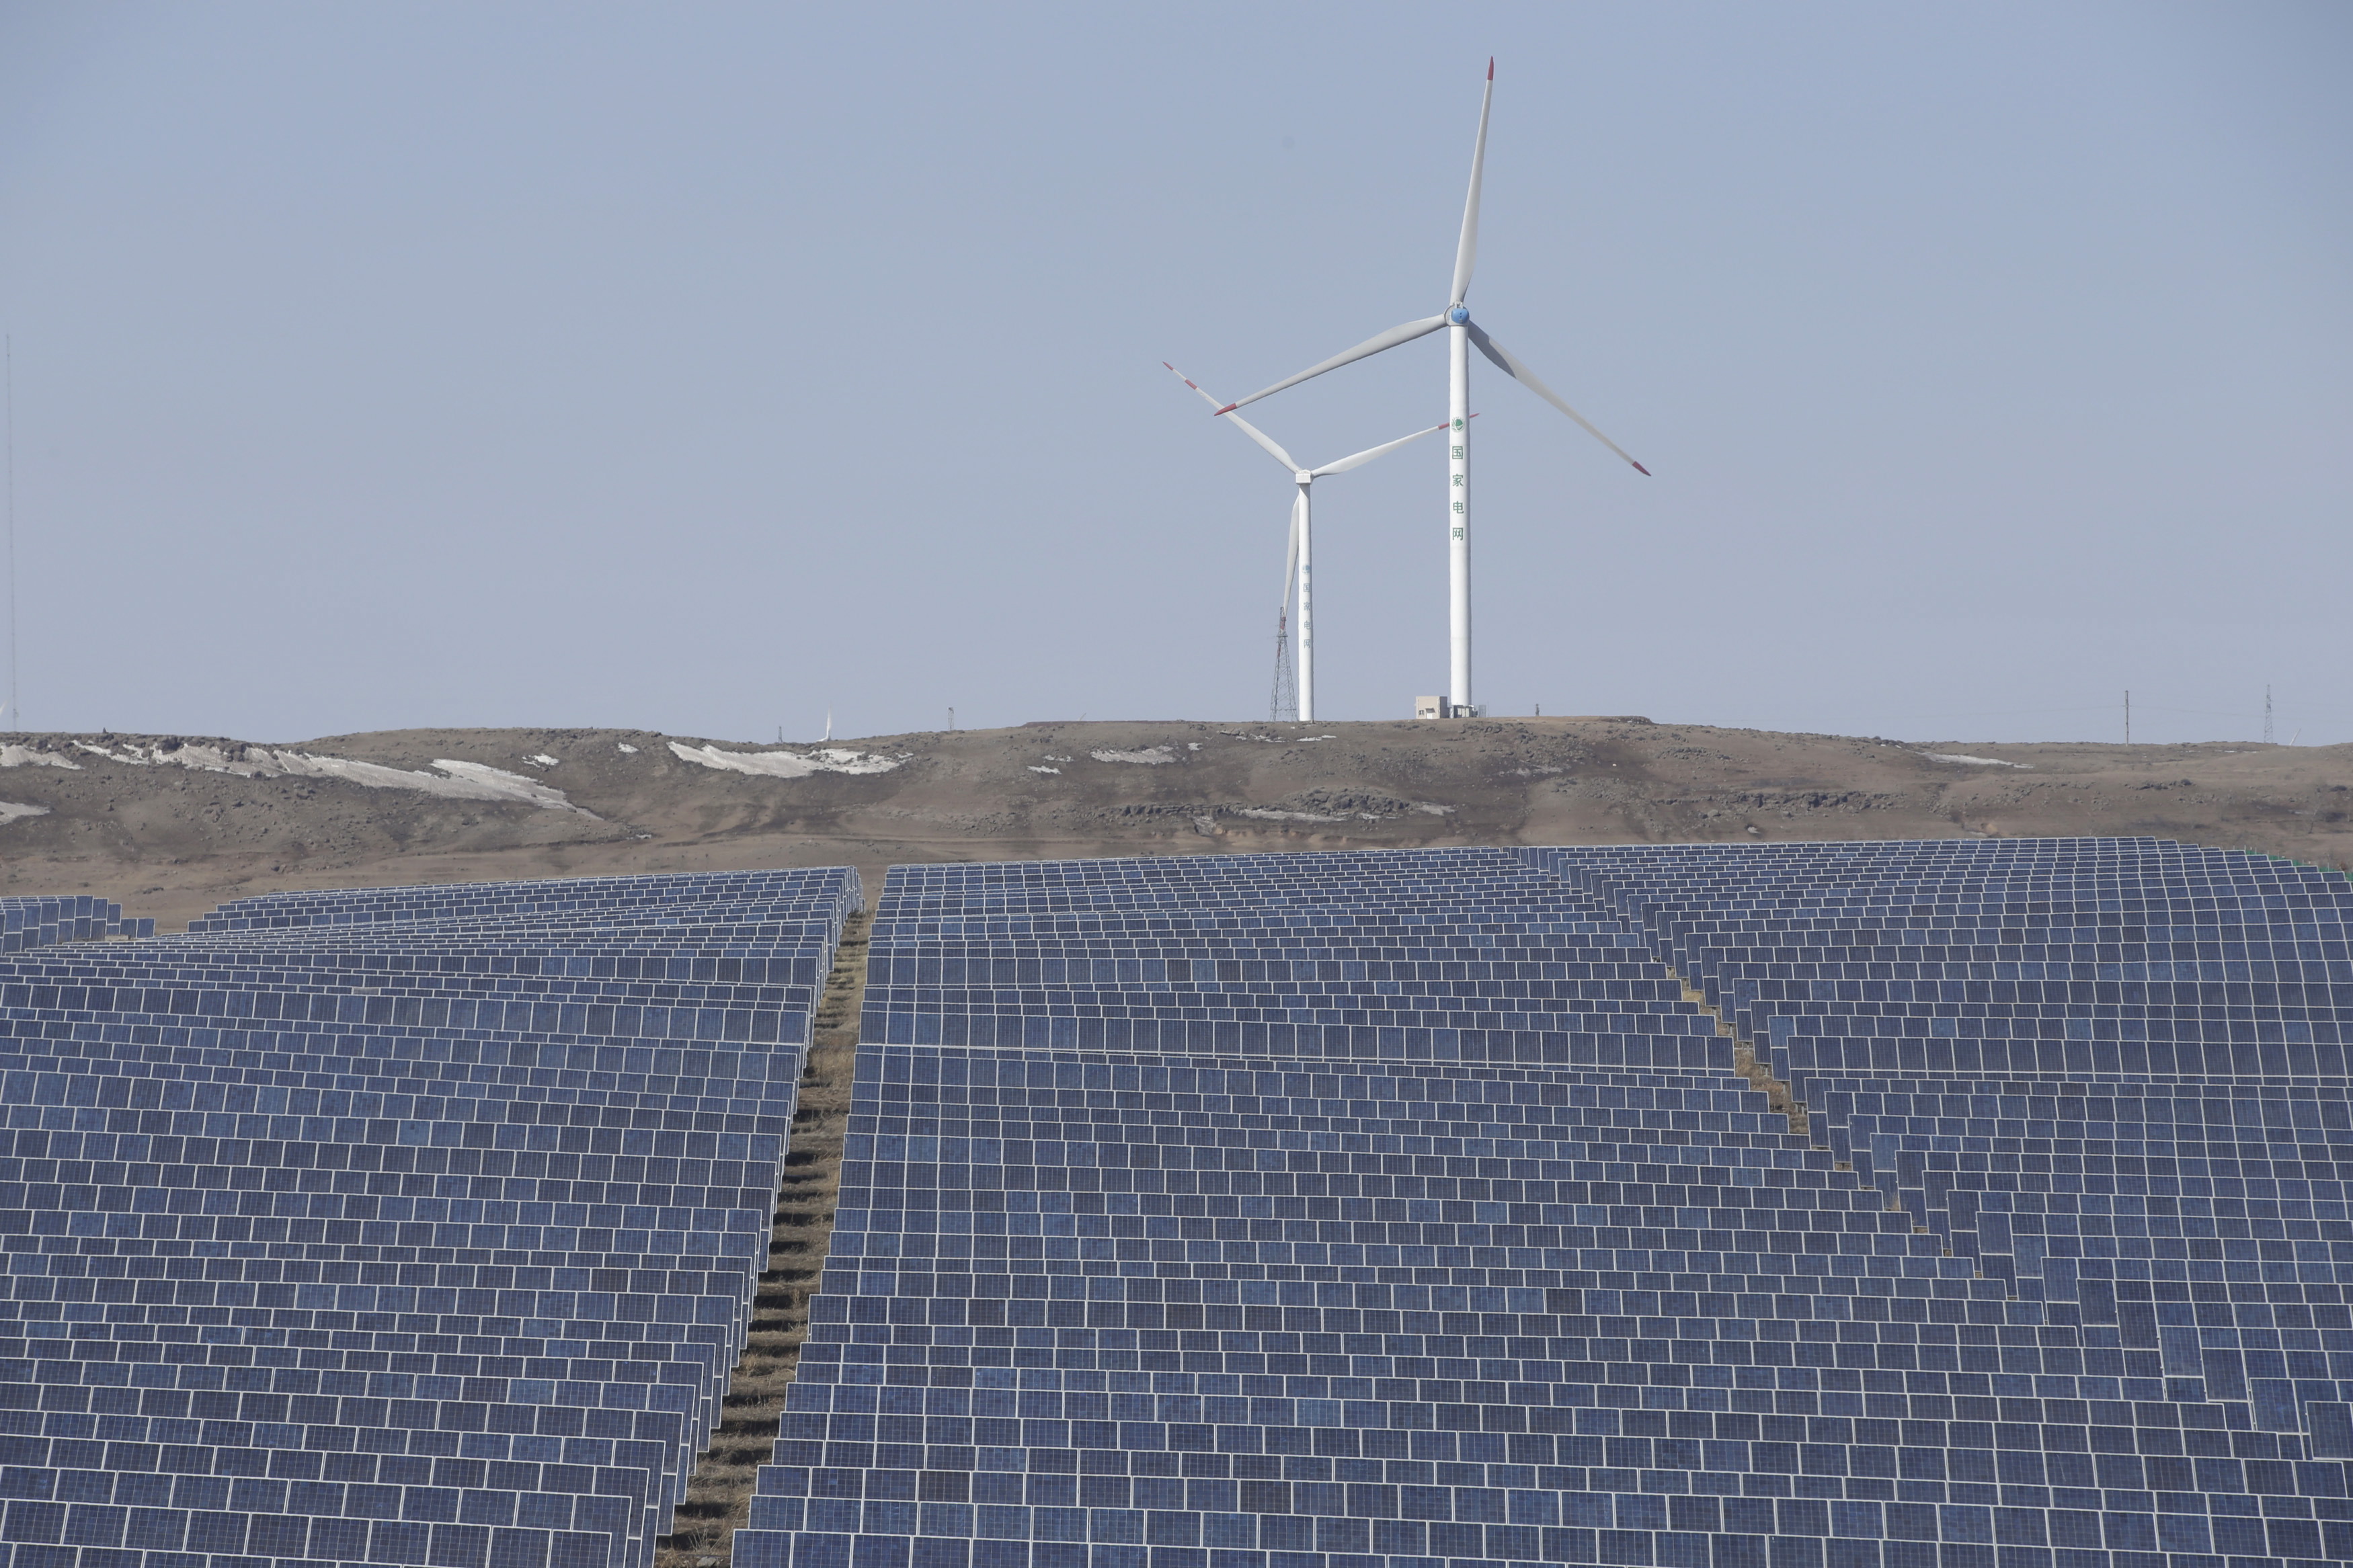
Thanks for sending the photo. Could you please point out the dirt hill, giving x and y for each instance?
(169, 826)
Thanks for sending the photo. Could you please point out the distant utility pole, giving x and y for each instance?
(2127, 717)
(2267, 715)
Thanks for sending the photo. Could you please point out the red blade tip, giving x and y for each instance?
(1491, 67)
(1228, 408)
(1640, 470)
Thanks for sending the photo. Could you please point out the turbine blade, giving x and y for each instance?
(1466, 250)
(1404, 333)
(1188, 381)
(1265, 440)
(1252, 431)
(1510, 366)
(1367, 456)
(1291, 556)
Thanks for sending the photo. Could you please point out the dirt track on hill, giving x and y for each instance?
(172, 840)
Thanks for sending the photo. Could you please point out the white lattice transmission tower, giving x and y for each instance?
(1282, 708)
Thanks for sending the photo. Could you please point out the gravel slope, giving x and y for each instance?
(131, 821)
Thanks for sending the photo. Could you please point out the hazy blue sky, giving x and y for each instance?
(704, 367)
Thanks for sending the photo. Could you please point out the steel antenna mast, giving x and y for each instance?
(1283, 706)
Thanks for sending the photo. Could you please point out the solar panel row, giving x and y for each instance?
(44, 922)
(1396, 1209)
(406, 1226)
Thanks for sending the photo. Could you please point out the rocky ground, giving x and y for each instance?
(169, 826)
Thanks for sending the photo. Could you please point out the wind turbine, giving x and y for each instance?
(1461, 333)
(1300, 556)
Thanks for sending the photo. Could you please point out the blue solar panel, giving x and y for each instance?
(398, 1226)
(1396, 1209)
(44, 922)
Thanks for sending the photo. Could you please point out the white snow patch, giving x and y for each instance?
(543, 760)
(455, 781)
(10, 812)
(1150, 757)
(1192, 745)
(788, 765)
(1265, 814)
(1980, 761)
(208, 759)
(627, 747)
(1433, 808)
(480, 782)
(1036, 769)
(15, 756)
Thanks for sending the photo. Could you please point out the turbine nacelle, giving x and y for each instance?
(1460, 315)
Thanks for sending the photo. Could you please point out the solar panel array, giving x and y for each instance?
(397, 1226)
(1393, 1210)
(43, 922)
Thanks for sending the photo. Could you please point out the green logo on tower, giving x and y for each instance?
(1458, 424)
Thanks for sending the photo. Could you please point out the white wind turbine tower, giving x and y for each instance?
(1461, 333)
(1298, 563)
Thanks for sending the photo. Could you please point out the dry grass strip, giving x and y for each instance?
(719, 1494)
(1745, 1061)
(1776, 1094)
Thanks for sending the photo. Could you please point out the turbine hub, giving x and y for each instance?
(1460, 315)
